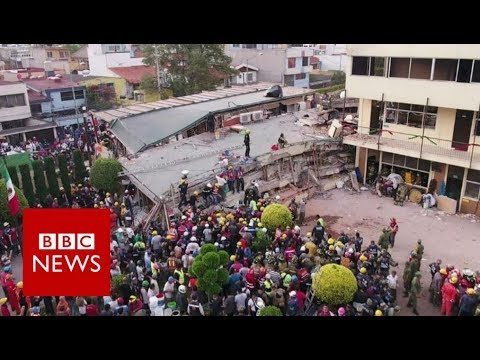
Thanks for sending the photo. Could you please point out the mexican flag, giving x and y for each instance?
(13, 202)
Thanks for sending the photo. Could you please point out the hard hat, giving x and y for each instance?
(107, 194)
(95, 206)
(6, 224)
(443, 271)
(292, 293)
(470, 291)
(453, 280)
(232, 258)
(209, 185)
(240, 220)
(260, 224)
(102, 203)
(207, 226)
(302, 248)
(223, 238)
(62, 188)
(169, 237)
(182, 289)
(331, 241)
(239, 243)
(216, 244)
(123, 205)
(3, 301)
(339, 243)
(363, 270)
(331, 248)
(116, 203)
(309, 234)
(363, 258)
(195, 193)
(184, 217)
(262, 208)
(277, 197)
(145, 283)
(80, 185)
(218, 214)
(284, 236)
(20, 284)
(378, 313)
(154, 232)
(132, 298)
(268, 276)
(209, 218)
(247, 131)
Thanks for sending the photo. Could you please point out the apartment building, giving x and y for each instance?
(276, 63)
(419, 111)
(103, 57)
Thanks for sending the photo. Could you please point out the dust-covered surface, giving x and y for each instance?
(452, 238)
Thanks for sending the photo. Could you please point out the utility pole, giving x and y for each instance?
(157, 64)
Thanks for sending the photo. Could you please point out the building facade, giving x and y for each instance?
(419, 110)
(102, 57)
(276, 63)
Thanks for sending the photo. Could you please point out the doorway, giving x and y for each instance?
(461, 131)
(453, 188)
(375, 115)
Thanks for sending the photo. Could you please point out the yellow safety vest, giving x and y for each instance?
(181, 277)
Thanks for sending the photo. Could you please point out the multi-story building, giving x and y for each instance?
(102, 57)
(16, 122)
(419, 111)
(276, 63)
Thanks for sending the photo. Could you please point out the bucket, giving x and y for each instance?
(175, 313)
(172, 305)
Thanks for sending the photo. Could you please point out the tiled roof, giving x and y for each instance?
(134, 74)
(49, 84)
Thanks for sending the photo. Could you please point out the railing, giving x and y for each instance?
(420, 146)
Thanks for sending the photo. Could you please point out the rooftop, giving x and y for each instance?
(35, 97)
(49, 84)
(3, 82)
(157, 168)
(134, 74)
(138, 126)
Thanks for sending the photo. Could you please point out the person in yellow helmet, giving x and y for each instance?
(246, 141)
(378, 313)
(183, 188)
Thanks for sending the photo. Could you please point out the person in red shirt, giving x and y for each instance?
(3, 304)
(92, 309)
(324, 311)
(12, 294)
(393, 230)
(134, 305)
(449, 296)
(301, 297)
(113, 219)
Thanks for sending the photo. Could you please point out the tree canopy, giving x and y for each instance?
(191, 68)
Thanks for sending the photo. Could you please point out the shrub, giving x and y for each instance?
(104, 174)
(80, 170)
(208, 268)
(261, 241)
(334, 284)
(276, 216)
(270, 311)
(12, 170)
(39, 179)
(27, 185)
(62, 165)
(52, 176)
(4, 208)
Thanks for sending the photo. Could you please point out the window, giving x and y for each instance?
(464, 71)
(419, 169)
(8, 101)
(14, 124)
(472, 186)
(445, 69)
(360, 65)
(249, 46)
(63, 54)
(305, 61)
(36, 108)
(421, 69)
(68, 95)
(49, 54)
(411, 115)
(291, 63)
(300, 76)
(112, 48)
(249, 77)
(236, 45)
(377, 66)
(476, 71)
(399, 67)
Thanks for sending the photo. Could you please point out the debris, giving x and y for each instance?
(363, 188)
(339, 184)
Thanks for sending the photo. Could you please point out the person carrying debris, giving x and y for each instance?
(282, 141)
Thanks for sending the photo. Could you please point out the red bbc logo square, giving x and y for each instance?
(66, 252)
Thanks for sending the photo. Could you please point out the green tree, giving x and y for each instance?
(192, 68)
(101, 98)
(334, 284)
(338, 78)
(209, 270)
(52, 176)
(27, 184)
(79, 167)
(148, 83)
(104, 174)
(62, 165)
(4, 207)
(12, 170)
(39, 178)
(261, 241)
(270, 311)
(276, 216)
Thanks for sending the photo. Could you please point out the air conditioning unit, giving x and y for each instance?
(257, 115)
(245, 118)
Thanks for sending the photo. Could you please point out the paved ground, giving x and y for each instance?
(452, 238)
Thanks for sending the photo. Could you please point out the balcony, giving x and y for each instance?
(418, 146)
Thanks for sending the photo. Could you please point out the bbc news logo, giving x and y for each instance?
(60, 263)
(66, 252)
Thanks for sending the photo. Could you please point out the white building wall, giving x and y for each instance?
(16, 112)
(100, 62)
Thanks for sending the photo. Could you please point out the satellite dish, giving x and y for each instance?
(342, 94)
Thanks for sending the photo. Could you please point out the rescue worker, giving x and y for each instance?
(468, 303)
(183, 186)
(420, 248)
(415, 289)
(240, 183)
(436, 287)
(282, 141)
(393, 231)
(246, 141)
(449, 296)
(384, 240)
